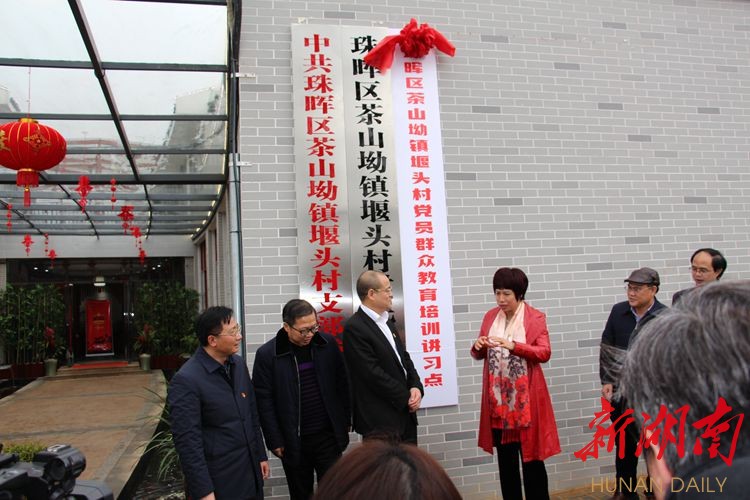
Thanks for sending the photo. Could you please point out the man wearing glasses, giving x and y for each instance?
(303, 398)
(386, 389)
(214, 419)
(706, 265)
(623, 324)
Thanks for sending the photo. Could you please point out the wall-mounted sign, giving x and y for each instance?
(370, 191)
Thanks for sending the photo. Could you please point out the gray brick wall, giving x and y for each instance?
(581, 140)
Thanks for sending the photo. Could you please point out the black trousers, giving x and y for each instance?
(319, 452)
(626, 468)
(534, 473)
(410, 433)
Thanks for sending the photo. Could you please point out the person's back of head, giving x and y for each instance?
(693, 354)
(378, 470)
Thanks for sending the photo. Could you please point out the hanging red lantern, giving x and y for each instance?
(142, 256)
(46, 243)
(27, 242)
(30, 148)
(52, 256)
(113, 188)
(126, 215)
(9, 216)
(136, 232)
(84, 188)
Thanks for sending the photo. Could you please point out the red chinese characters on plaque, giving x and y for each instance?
(321, 178)
(428, 305)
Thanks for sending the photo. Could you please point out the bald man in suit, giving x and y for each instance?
(386, 390)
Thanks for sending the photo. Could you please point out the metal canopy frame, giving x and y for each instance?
(175, 183)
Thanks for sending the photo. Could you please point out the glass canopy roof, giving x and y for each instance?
(140, 91)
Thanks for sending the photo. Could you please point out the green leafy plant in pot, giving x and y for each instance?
(143, 346)
(53, 349)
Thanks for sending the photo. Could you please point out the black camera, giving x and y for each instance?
(50, 476)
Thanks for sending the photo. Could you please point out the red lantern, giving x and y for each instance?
(30, 148)
(113, 188)
(9, 216)
(142, 256)
(52, 256)
(27, 242)
(126, 215)
(84, 188)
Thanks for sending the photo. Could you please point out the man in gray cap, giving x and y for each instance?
(624, 322)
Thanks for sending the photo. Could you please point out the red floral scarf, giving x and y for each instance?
(508, 375)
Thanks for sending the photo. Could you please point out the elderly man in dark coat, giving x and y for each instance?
(623, 324)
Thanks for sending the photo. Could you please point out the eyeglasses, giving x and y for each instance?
(234, 332)
(386, 290)
(701, 270)
(306, 331)
(636, 288)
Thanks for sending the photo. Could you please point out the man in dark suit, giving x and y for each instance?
(623, 324)
(386, 390)
(214, 419)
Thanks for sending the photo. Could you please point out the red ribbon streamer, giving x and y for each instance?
(414, 40)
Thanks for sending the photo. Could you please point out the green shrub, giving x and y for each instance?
(169, 310)
(26, 313)
(25, 451)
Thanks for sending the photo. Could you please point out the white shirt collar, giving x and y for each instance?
(377, 318)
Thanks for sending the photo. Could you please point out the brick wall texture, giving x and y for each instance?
(582, 139)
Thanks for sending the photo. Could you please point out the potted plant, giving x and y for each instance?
(143, 346)
(170, 308)
(50, 359)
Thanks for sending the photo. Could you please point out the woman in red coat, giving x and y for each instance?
(516, 415)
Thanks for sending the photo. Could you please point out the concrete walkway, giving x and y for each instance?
(108, 414)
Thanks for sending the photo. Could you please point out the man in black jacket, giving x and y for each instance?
(623, 324)
(214, 418)
(386, 389)
(303, 398)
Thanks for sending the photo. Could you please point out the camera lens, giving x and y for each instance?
(56, 469)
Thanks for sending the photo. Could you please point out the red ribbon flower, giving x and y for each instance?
(414, 40)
